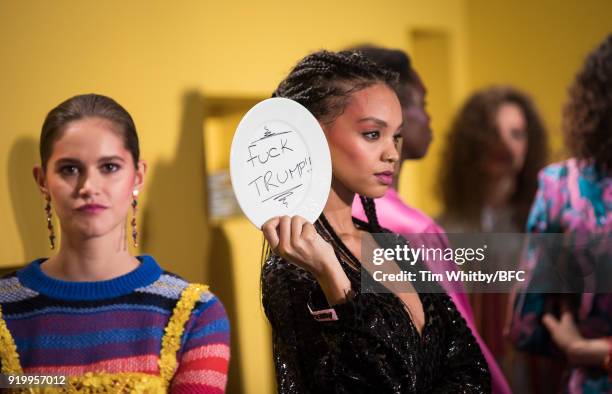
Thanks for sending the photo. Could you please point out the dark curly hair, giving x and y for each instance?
(324, 81)
(463, 177)
(587, 116)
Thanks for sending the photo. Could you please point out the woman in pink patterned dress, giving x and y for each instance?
(575, 198)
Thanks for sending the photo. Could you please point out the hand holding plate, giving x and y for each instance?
(296, 240)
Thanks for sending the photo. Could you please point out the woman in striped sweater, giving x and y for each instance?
(106, 320)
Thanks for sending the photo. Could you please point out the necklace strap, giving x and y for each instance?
(329, 234)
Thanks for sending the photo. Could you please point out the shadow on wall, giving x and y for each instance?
(27, 202)
(175, 222)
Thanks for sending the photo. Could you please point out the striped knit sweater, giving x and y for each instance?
(71, 328)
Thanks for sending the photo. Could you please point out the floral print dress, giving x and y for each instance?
(573, 198)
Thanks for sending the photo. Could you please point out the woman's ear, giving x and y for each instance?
(141, 171)
(40, 179)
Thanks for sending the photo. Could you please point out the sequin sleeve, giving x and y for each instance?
(324, 357)
(371, 348)
(281, 294)
(465, 368)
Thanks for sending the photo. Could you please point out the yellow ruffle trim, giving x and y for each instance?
(171, 341)
(90, 382)
(127, 382)
(8, 356)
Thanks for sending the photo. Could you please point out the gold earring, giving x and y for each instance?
(133, 222)
(50, 223)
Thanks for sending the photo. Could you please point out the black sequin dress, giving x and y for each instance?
(374, 346)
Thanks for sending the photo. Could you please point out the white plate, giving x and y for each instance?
(280, 162)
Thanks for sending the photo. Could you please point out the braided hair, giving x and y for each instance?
(324, 81)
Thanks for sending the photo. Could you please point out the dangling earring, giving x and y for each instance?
(133, 222)
(50, 223)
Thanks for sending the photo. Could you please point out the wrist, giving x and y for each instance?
(326, 268)
(607, 364)
(575, 349)
(335, 284)
(591, 352)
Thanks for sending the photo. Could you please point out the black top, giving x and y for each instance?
(374, 347)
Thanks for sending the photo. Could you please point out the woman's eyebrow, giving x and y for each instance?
(379, 122)
(72, 160)
(111, 158)
(67, 160)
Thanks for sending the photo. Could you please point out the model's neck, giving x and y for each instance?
(91, 259)
(338, 209)
(500, 192)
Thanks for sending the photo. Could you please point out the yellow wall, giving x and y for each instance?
(438, 58)
(537, 46)
(166, 62)
(162, 61)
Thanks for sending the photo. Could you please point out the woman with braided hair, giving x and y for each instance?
(397, 215)
(328, 334)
